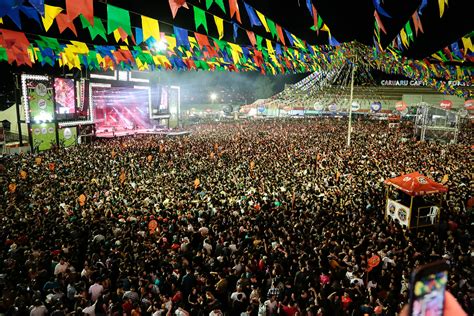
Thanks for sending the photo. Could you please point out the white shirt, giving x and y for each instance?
(95, 290)
(60, 268)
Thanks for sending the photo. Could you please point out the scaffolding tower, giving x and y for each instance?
(434, 124)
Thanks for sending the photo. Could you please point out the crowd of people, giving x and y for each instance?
(250, 218)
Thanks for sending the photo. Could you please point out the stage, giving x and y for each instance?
(108, 133)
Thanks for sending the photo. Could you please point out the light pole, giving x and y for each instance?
(354, 65)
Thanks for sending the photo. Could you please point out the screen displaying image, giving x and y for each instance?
(429, 294)
(64, 96)
(121, 108)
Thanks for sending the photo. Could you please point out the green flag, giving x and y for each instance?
(409, 31)
(272, 27)
(209, 3)
(259, 41)
(221, 5)
(48, 42)
(97, 29)
(3, 54)
(200, 18)
(118, 17)
(320, 22)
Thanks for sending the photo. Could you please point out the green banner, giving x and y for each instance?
(40, 100)
(67, 136)
(43, 135)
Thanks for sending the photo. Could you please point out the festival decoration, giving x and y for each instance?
(234, 10)
(200, 18)
(175, 5)
(74, 8)
(199, 52)
(150, 28)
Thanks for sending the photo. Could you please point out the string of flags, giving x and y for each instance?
(145, 47)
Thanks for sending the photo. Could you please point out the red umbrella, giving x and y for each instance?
(416, 184)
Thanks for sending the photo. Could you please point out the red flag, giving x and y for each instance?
(65, 22)
(251, 36)
(176, 4)
(16, 45)
(280, 34)
(379, 22)
(52, 166)
(234, 9)
(202, 40)
(84, 7)
(315, 19)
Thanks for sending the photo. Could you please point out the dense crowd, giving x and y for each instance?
(254, 218)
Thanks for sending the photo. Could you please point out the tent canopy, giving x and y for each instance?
(416, 184)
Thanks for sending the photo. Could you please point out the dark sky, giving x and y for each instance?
(348, 19)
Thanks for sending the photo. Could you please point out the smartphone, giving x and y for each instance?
(427, 287)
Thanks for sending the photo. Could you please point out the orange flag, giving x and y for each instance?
(51, 166)
(113, 153)
(82, 200)
(122, 177)
(197, 183)
(212, 155)
(38, 161)
(149, 158)
(12, 188)
(234, 9)
(216, 147)
(23, 175)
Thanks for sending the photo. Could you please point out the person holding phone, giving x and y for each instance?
(428, 295)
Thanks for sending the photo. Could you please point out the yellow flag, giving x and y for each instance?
(441, 7)
(118, 37)
(220, 26)
(445, 179)
(403, 35)
(150, 28)
(1, 20)
(50, 13)
(171, 41)
(263, 20)
(466, 41)
(270, 49)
